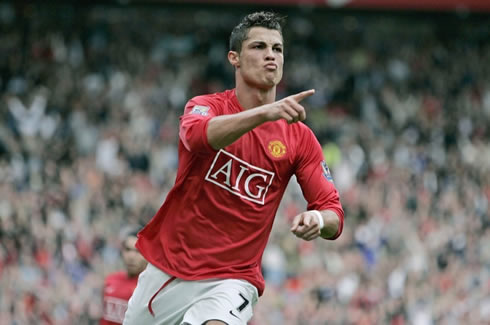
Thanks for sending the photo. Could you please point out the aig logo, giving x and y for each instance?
(239, 177)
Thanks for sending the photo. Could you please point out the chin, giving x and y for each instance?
(266, 87)
(269, 83)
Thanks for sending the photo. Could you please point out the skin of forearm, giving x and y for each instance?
(223, 130)
(332, 223)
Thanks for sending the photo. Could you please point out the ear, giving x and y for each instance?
(234, 58)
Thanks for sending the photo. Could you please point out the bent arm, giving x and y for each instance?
(308, 226)
(319, 190)
(223, 130)
(333, 224)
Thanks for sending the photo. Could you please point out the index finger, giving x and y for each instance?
(296, 222)
(302, 95)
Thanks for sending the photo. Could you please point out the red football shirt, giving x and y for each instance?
(216, 220)
(118, 288)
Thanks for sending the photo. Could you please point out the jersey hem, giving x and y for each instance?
(260, 289)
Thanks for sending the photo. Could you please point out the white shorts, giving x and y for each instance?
(162, 299)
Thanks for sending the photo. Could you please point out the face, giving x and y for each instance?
(134, 261)
(261, 59)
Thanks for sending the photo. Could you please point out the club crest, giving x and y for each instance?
(277, 149)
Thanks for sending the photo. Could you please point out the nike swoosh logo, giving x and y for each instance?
(231, 312)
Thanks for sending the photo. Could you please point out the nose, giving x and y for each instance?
(269, 55)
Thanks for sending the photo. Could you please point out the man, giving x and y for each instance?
(237, 152)
(119, 286)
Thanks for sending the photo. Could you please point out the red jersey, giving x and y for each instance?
(118, 288)
(216, 220)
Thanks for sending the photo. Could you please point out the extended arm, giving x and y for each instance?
(225, 129)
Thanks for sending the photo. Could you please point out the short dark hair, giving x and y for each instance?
(266, 19)
(130, 231)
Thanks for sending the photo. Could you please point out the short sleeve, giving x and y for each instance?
(194, 122)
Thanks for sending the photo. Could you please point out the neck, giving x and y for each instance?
(250, 97)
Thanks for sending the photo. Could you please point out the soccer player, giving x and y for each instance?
(119, 286)
(237, 151)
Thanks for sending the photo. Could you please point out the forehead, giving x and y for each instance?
(130, 241)
(262, 34)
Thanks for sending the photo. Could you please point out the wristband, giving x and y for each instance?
(317, 213)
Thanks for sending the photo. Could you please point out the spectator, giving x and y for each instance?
(119, 286)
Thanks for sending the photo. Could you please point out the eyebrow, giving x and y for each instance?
(263, 42)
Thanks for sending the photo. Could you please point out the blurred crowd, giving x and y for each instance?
(89, 103)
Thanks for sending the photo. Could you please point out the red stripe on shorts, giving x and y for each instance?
(158, 291)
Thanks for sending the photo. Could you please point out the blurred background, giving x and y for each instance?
(90, 95)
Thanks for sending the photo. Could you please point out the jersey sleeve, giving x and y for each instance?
(315, 179)
(194, 123)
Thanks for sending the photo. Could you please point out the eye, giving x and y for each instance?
(278, 49)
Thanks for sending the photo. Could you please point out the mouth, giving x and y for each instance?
(132, 265)
(271, 66)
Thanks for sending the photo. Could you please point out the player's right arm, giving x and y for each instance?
(223, 130)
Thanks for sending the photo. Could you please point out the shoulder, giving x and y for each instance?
(212, 99)
(300, 129)
(216, 103)
(304, 140)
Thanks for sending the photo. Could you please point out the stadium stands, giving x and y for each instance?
(90, 99)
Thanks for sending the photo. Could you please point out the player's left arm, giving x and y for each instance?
(308, 226)
(324, 216)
